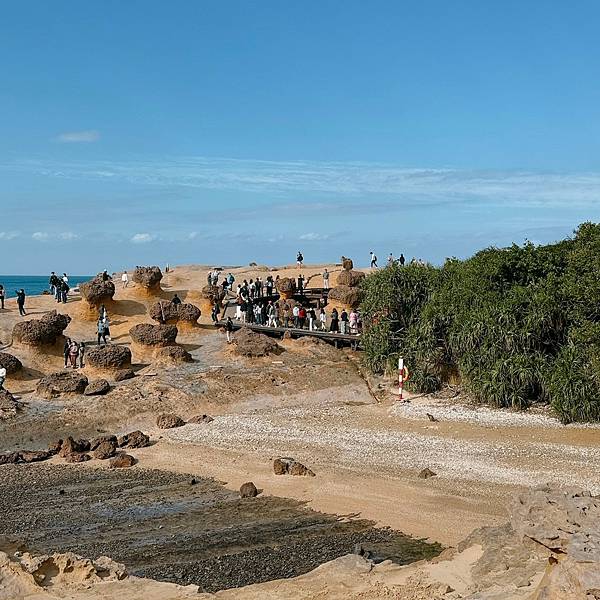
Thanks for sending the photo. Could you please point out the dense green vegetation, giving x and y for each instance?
(515, 326)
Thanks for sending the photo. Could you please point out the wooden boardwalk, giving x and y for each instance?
(337, 339)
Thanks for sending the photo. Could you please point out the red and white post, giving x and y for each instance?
(400, 378)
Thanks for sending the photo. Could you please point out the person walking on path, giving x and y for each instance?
(125, 279)
(334, 325)
(82, 355)
(215, 313)
(312, 317)
(373, 260)
(66, 350)
(229, 329)
(325, 279)
(295, 312)
(21, 301)
(344, 322)
(353, 321)
(300, 284)
(2, 297)
(102, 314)
(52, 283)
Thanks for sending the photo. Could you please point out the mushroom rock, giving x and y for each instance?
(185, 314)
(251, 344)
(208, 297)
(350, 278)
(109, 357)
(94, 293)
(11, 363)
(286, 287)
(343, 297)
(148, 279)
(46, 331)
(173, 354)
(347, 264)
(156, 336)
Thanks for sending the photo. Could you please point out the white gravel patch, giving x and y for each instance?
(479, 415)
(321, 437)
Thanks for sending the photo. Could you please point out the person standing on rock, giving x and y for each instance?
(2, 296)
(125, 279)
(82, 355)
(21, 301)
(175, 299)
(229, 329)
(325, 279)
(299, 259)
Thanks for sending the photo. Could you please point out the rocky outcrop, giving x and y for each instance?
(173, 354)
(99, 387)
(24, 457)
(72, 446)
(77, 457)
(350, 278)
(63, 383)
(289, 466)
(286, 287)
(109, 357)
(45, 331)
(8, 405)
(135, 439)
(156, 336)
(105, 449)
(347, 264)
(184, 314)
(11, 363)
(207, 297)
(251, 344)
(248, 490)
(122, 461)
(101, 439)
(94, 293)
(343, 297)
(201, 419)
(426, 473)
(169, 421)
(148, 278)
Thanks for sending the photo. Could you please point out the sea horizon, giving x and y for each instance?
(34, 285)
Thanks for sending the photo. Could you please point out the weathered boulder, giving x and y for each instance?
(99, 387)
(96, 291)
(169, 421)
(102, 438)
(214, 293)
(110, 356)
(135, 439)
(157, 336)
(350, 278)
(8, 405)
(41, 332)
(289, 466)
(251, 344)
(201, 419)
(105, 449)
(248, 490)
(122, 461)
(10, 458)
(286, 286)
(173, 314)
(71, 446)
(173, 354)
(347, 264)
(11, 363)
(344, 296)
(77, 457)
(30, 456)
(148, 277)
(54, 447)
(61, 384)
(124, 374)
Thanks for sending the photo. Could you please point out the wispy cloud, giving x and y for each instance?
(142, 238)
(76, 137)
(361, 183)
(9, 235)
(40, 236)
(314, 237)
(45, 236)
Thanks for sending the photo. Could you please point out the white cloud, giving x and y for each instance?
(313, 237)
(9, 235)
(193, 235)
(68, 236)
(142, 238)
(87, 136)
(40, 236)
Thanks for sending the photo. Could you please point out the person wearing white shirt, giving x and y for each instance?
(2, 377)
(125, 279)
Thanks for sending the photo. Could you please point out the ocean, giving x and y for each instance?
(34, 285)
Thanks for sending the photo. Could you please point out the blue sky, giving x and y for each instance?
(152, 132)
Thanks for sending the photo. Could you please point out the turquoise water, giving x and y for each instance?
(34, 285)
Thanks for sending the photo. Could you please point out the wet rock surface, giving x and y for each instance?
(201, 534)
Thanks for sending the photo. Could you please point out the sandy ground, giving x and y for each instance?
(311, 403)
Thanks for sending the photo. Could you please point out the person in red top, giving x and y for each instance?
(302, 317)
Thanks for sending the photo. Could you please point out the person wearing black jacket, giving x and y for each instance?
(176, 299)
(21, 301)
